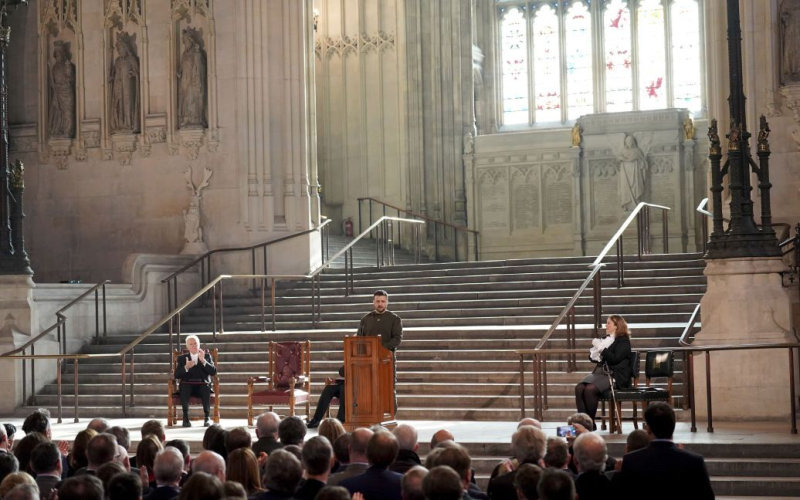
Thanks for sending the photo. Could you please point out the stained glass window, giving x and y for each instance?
(687, 73)
(515, 67)
(618, 56)
(546, 65)
(652, 55)
(578, 27)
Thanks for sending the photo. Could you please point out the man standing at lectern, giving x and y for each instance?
(380, 322)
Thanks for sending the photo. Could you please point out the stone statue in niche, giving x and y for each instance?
(192, 76)
(124, 80)
(790, 41)
(632, 174)
(61, 109)
(193, 231)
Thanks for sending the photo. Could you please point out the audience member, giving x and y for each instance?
(295, 450)
(8, 465)
(77, 458)
(243, 468)
(14, 479)
(582, 423)
(234, 490)
(442, 483)
(359, 439)
(411, 484)
(528, 447)
(218, 444)
(146, 453)
(156, 428)
(441, 435)
(122, 458)
(341, 450)
(637, 440)
(238, 437)
(83, 487)
(183, 447)
(106, 471)
(529, 421)
(317, 459)
(556, 485)
(210, 434)
(210, 463)
(38, 421)
(292, 430)
(202, 486)
(125, 486)
(333, 493)
(590, 459)
(168, 471)
(407, 456)
(122, 434)
(282, 476)
(331, 429)
(267, 433)
(377, 483)
(526, 481)
(101, 449)
(23, 492)
(457, 458)
(99, 425)
(10, 430)
(662, 469)
(557, 455)
(5, 442)
(46, 463)
(25, 447)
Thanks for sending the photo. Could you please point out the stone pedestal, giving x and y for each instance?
(17, 321)
(197, 248)
(745, 304)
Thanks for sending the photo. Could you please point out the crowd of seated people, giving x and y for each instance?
(366, 464)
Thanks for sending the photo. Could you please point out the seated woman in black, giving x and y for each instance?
(615, 356)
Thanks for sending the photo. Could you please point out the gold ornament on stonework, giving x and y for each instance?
(763, 134)
(713, 138)
(688, 128)
(17, 175)
(576, 136)
(733, 138)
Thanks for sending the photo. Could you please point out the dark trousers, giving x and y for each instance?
(203, 391)
(330, 392)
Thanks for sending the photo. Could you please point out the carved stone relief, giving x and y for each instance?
(125, 105)
(633, 174)
(192, 74)
(61, 113)
(789, 17)
(193, 229)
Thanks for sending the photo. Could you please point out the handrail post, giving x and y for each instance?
(704, 227)
(124, 388)
(359, 216)
(370, 219)
(263, 305)
(793, 405)
(455, 244)
(346, 273)
(521, 386)
(639, 232)
(133, 376)
(710, 427)
(253, 267)
(105, 313)
(75, 388)
(436, 241)
(665, 226)
(214, 309)
(221, 314)
(475, 235)
(24, 382)
(691, 393)
(620, 265)
(96, 316)
(33, 375)
(352, 275)
(274, 328)
(58, 381)
(598, 301)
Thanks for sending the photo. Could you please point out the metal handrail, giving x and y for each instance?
(598, 264)
(540, 376)
(689, 325)
(436, 223)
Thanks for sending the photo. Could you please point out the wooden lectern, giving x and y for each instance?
(368, 383)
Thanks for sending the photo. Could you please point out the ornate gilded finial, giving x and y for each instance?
(576, 135)
(688, 128)
(17, 180)
(734, 137)
(763, 135)
(713, 138)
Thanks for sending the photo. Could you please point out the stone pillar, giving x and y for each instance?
(17, 321)
(745, 304)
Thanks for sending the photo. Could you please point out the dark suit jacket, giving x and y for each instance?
(662, 470)
(308, 489)
(375, 484)
(269, 495)
(406, 459)
(617, 356)
(163, 493)
(267, 444)
(593, 485)
(502, 487)
(197, 374)
(475, 492)
(352, 470)
(46, 485)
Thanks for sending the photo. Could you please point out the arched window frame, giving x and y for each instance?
(596, 9)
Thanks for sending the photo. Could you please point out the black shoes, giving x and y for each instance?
(186, 423)
(313, 424)
(207, 422)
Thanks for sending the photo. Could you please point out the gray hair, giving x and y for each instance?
(192, 337)
(406, 436)
(23, 491)
(582, 419)
(528, 444)
(168, 465)
(411, 484)
(590, 452)
(267, 424)
(209, 462)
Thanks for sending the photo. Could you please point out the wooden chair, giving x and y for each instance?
(288, 379)
(174, 393)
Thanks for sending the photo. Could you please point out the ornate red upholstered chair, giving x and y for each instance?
(288, 380)
(174, 394)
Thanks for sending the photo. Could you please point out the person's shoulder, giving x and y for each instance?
(367, 316)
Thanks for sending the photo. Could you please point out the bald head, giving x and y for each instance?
(358, 445)
(590, 452)
(441, 435)
(529, 421)
(210, 463)
(99, 425)
(406, 437)
(267, 425)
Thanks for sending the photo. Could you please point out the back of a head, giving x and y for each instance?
(317, 453)
(233, 490)
(45, 458)
(341, 448)
(210, 434)
(637, 440)
(294, 450)
(582, 419)
(25, 447)
(180, 445)
(527, 479)
(411, 484)
(23, 492)
(442, 483)
(556, 485)
(146, 451)
(99, 425)
(267, 424)
(528, 444)
(122, 434)
(101, 449)
(331, 428)
(590, 452)
(37, 421)
(406, 437)
(283, 473)
(441, 435)
(529, 421)
(154, 427)
(8, 464)
(168, 466)
(238, 437)
(218, 444)
(382, 449)
(292, 430)
(84, 487)
(333, 493)
(125, 486)
(14, 479)
(457, 458)
(359, 442)
(660, 418)
(557, 454)
(106, 471)
(202, 486)
(210, 463)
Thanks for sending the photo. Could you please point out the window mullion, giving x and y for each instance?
(562, 53)
(599, 57)
(670, 69)
(634, 10)
(531, 68)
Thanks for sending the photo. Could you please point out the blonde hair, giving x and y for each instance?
(15, 479)
(621, 324)
(331, 428)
